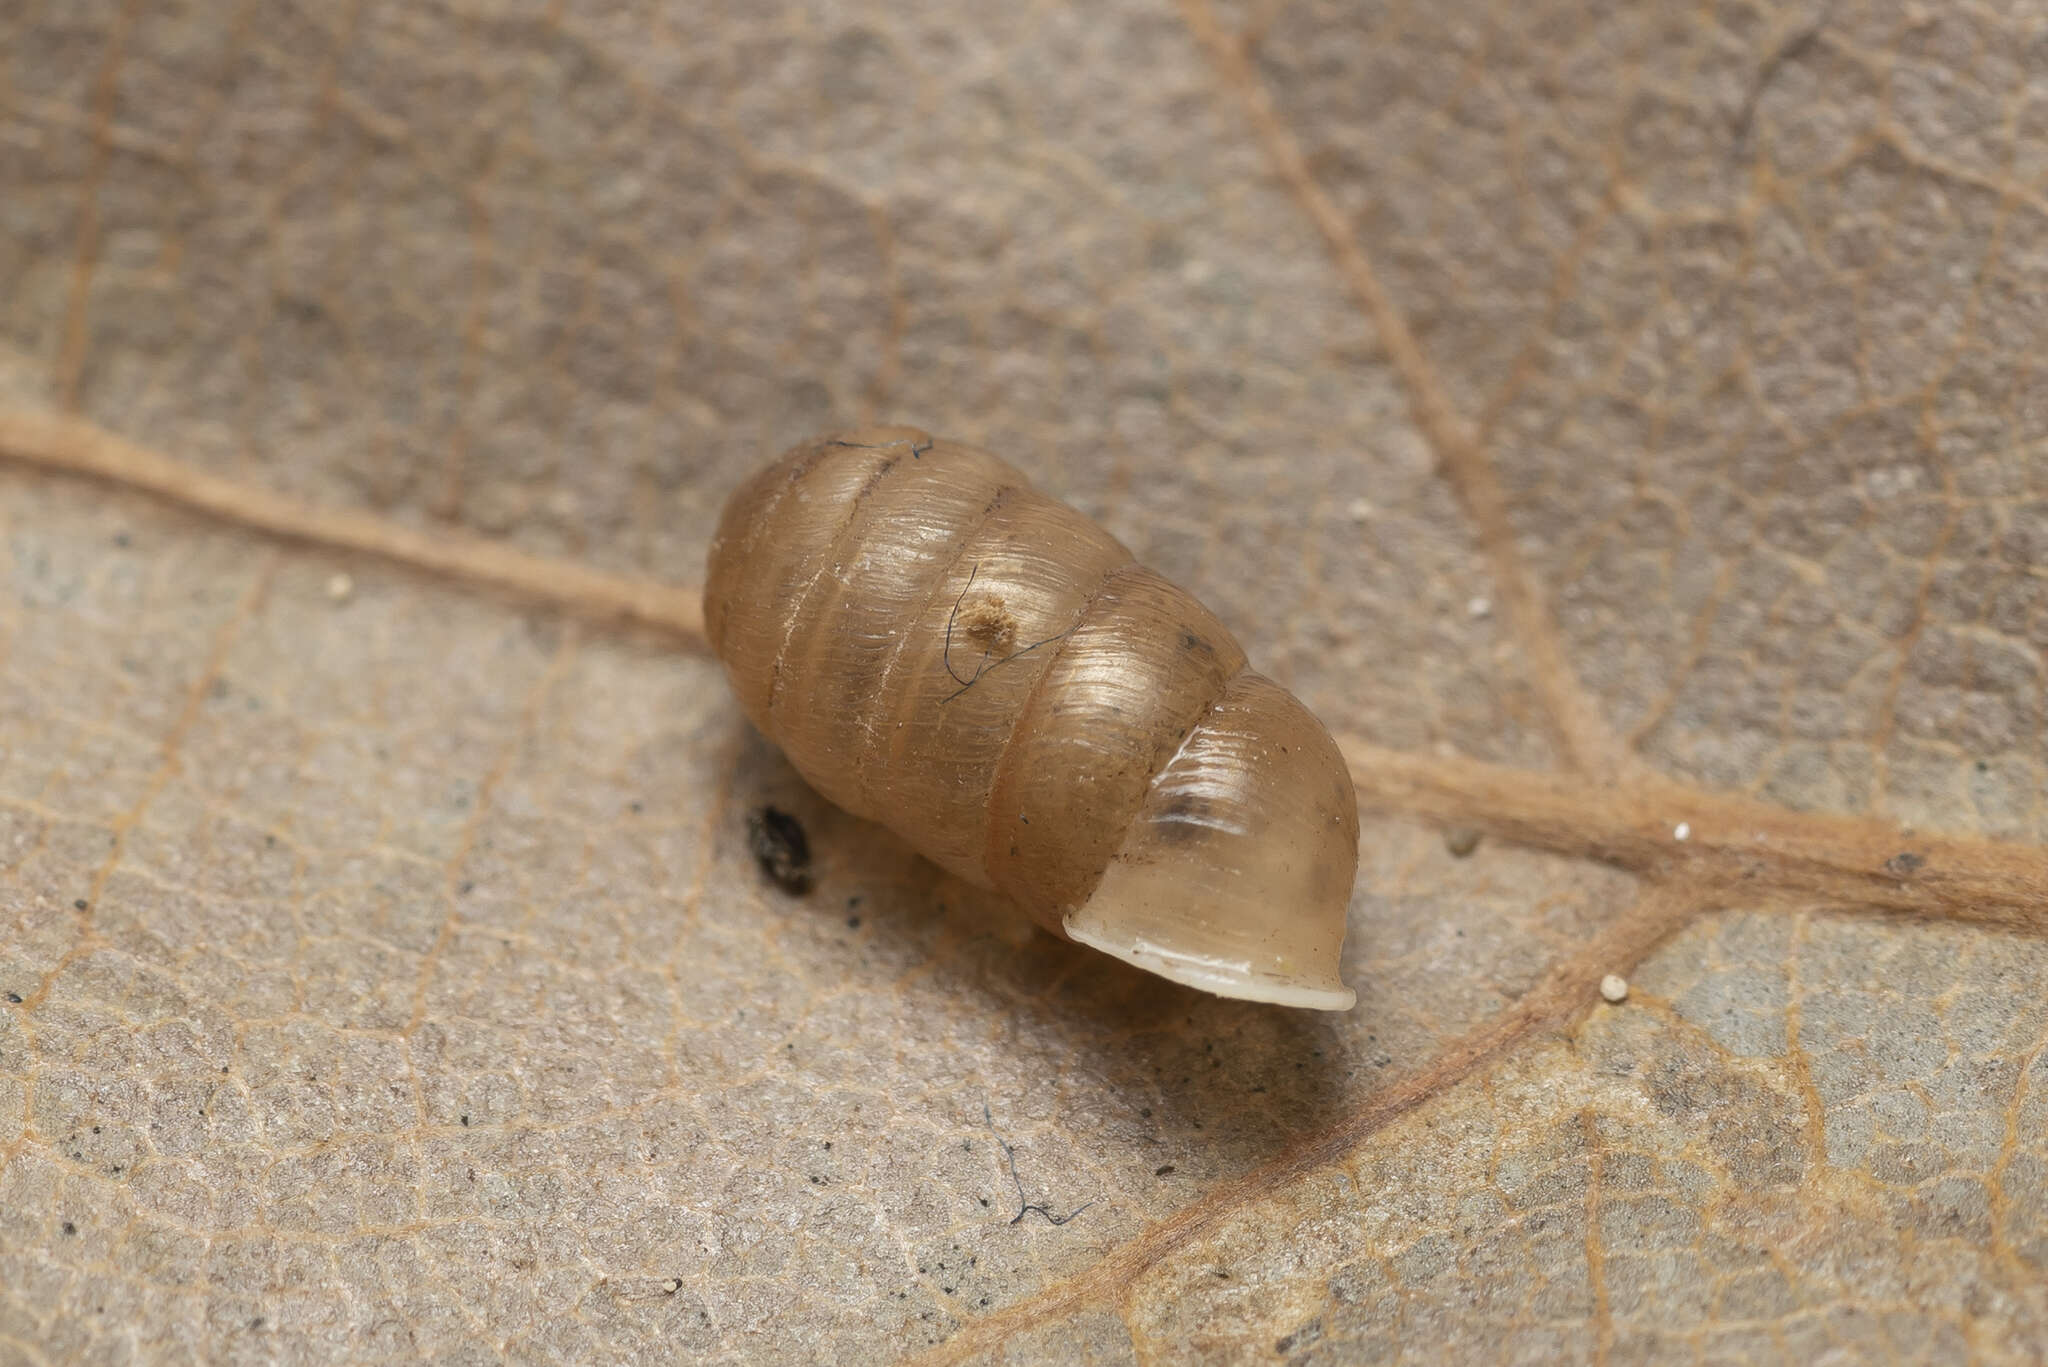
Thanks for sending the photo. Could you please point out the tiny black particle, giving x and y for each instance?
(1162, 1170)
(853, 923)
(466, 889)
(634, 806)
(70, 1228)
(1904, 864)
(465, 1120)
(14, 996)
(780, 848)
(256, 1323)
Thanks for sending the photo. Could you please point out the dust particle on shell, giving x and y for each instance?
(1614, 988)
(1461, 841)
(780, 848)
(988, 621)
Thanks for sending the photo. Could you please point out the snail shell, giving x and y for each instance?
(941, 648)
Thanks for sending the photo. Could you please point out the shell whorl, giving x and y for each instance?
(941, 648)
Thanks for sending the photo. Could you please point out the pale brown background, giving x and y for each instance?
(1601, 390)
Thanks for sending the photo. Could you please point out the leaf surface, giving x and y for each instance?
(1626, 426)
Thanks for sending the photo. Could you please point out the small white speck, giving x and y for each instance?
(1682, 831)
(340, 587)
(1614, 988)
(1479, 607)
(672, 1285)
(1360, 510)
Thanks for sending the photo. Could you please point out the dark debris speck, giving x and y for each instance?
(781, 848)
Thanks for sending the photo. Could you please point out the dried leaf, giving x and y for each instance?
(1627, 428)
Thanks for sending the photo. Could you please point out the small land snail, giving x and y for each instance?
(941, 648)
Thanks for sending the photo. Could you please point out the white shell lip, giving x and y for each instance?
(1224, 978)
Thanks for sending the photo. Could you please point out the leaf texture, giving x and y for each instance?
(1627, 426)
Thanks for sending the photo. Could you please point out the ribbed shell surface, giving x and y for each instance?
(941, 648)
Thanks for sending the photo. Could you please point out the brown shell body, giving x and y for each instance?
(941, 648)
